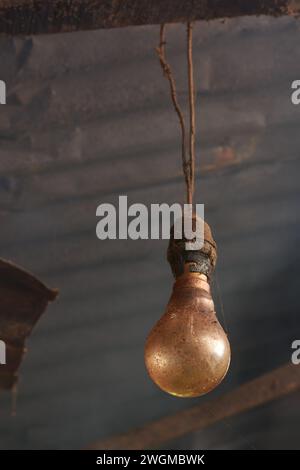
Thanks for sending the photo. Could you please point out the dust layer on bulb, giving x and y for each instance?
(187, 353)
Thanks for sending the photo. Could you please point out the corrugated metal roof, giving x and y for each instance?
(88, 119)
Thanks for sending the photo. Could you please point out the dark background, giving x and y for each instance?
(88, 119)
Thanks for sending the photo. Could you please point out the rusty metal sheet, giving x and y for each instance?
(23, 299)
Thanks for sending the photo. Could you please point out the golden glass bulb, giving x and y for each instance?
(187, 353)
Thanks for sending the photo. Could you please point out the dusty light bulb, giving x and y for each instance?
(187, 353)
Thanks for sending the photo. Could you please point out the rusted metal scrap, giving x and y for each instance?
(23, 299)
(52, 16)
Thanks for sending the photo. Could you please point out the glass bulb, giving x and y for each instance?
(187, 353)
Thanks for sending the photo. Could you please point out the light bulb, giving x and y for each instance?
(187, 353)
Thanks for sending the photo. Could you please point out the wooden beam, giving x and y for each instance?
(259, 391)
(25, 17)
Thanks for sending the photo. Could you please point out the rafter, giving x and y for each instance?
(26, 17)
(268, 387)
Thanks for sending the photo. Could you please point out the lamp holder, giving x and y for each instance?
(201, 261)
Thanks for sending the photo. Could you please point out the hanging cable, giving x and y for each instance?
(192, 111)
(168, 74)
(188, 163)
